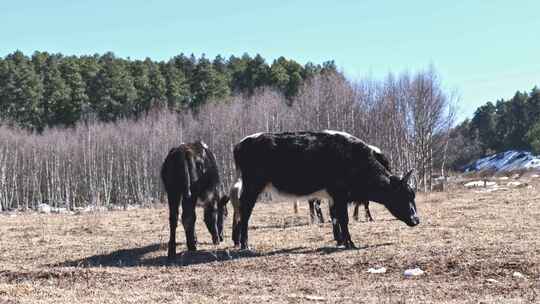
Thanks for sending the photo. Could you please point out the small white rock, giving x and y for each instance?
(44, 208)
(413, 272)
(377, 270)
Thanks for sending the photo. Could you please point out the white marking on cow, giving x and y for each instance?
(375, 149)
(344, 134)
(279, 195)
(204, 145)
(349, 136)
(255, 135)
(238, 185)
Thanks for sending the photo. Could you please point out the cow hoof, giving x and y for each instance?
(244, 247)
(350, 245)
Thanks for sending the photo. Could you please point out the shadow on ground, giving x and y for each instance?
(135, 257)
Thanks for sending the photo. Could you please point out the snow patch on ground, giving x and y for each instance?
(505, 161)
(479, 183)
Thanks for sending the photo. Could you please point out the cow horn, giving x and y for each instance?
(407, 176)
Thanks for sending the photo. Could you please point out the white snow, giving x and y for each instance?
(505, 161)
(44, 208)
(413, 272)
(479, 183)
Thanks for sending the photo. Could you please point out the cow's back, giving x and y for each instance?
(301, 161)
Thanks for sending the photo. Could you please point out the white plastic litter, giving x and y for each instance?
(413, 272)
(518, 275)
(492, 281)
(377, 270)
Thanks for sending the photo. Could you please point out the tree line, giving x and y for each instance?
(409, 116)
(46, 90)
(512, 124)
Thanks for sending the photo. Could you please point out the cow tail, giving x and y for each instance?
(187, 177)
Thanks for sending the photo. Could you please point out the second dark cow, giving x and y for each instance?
(190, 175)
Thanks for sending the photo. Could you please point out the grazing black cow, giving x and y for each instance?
(328, 164)
(190, 174)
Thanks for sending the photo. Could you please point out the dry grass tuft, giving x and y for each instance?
(470, 245)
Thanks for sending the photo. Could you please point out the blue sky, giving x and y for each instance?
(483, 50)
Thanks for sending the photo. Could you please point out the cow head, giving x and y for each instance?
(401, 201)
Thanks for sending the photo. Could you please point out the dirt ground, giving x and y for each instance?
(470, 244)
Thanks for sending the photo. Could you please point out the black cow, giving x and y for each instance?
(329, 164)
(190, 174)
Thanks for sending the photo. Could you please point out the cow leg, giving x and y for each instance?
(369, 218)
(221, 214)
(355, 213)
(247, 202)
(235, 201)
(174, 202)
(319, 211)
(336, 229)
(342, 215)
(211, 221)
(188, 221)
(311, 203)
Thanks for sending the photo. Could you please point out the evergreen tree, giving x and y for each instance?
(22, 92)
(207, 83)
(176, 86)
(484, 121)
(69, 113)
(114, 92)
(56, 99)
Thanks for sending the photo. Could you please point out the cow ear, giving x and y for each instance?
(394, 180)
(407, 176)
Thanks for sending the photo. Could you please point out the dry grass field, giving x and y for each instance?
(469, 243)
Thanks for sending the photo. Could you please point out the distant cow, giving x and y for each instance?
(190, 175)
(327, 164)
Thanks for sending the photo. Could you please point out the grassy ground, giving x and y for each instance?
(469, 243)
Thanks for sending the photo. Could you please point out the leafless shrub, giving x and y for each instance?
(101, 164)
